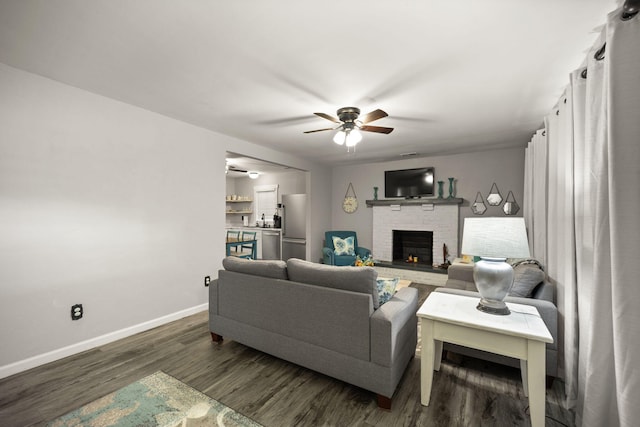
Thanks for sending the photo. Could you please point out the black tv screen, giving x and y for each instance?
(408, 183)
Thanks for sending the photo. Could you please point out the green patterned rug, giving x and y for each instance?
(156, 400)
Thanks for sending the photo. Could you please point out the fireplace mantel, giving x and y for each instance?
(414, 202)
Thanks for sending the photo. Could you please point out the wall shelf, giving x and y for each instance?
(241, 209)
(414, 202)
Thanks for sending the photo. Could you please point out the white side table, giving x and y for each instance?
(455, 319)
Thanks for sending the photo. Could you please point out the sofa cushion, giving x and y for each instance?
(355, 279)
(274, 269)
(525, 279)
(344, 246)
(386, 289)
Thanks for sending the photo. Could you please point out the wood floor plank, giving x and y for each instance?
(269, 390)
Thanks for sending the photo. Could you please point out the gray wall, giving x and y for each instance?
(112, 206)
(473, 172)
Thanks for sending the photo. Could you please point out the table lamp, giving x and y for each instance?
(494, 240)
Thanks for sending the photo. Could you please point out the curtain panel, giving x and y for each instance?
(591, 235)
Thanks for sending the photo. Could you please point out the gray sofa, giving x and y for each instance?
(322, 317)
(540, 295)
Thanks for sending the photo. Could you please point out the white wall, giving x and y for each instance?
(108, 205)
(473, 172)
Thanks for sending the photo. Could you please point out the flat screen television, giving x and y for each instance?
(408, 183)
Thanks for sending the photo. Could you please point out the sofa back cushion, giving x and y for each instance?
(355, 279)
(274, 269)
(297, 311)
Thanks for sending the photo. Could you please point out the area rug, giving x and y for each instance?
(156, 400)
(423, 293)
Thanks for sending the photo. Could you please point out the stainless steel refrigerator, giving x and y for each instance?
(294, 226)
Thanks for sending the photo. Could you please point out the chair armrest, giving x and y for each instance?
(328, 256)
(394, 326)
(362, 252)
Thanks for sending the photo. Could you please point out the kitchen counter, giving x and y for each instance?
(252, 227)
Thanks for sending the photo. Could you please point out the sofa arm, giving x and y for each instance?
(463, 272)
(394, 326)
(328, 256)
(213, 297)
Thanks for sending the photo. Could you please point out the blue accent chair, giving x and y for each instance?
(329, 256)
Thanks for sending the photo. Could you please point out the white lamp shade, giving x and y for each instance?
(495, 238)
(339, 137)
(253, 174)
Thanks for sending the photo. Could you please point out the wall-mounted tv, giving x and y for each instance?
(408, 183)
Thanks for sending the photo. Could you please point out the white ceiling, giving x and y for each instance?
(453, 76)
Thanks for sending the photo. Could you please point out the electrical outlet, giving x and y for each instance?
(207, 280)
(76, 312)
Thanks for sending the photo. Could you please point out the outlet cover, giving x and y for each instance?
(207, 280)
(76, 312)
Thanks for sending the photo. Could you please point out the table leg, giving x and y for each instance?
(535, 379)
(437, 355)
(525, 379)
(426, 360)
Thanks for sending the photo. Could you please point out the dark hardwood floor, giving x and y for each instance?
(269, 390)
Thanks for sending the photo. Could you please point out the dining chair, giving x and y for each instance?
(233, 234)
(248, 235)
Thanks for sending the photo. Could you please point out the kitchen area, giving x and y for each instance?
(270, 201)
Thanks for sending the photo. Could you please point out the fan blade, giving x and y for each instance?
(319, 130)
(236, 169)
(372, 116)
(378, 129)
(328, 117)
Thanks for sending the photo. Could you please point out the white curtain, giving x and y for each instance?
(592, 236)
(535, 195)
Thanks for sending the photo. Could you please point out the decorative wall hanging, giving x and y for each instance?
(510, 205)
(451, 188)
(350, 203)
(478, 207)
(494, 198)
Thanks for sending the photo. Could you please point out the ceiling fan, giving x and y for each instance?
(350, 125)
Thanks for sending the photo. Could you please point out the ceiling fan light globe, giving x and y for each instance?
(339, 138)
(354, 137)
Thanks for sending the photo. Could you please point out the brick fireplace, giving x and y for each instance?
(440, 218)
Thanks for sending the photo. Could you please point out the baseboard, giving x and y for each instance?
(70, 350)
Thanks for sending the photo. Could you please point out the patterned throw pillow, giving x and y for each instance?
(344, 246)
(386, 289)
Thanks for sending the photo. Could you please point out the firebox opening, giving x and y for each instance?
(413, 246)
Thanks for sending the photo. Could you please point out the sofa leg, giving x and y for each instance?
(384, 402)
(216, 338)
